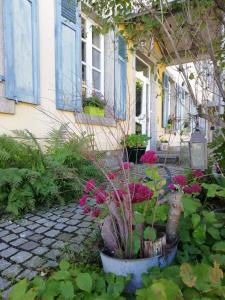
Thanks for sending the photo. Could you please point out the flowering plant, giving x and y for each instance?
(128, 207)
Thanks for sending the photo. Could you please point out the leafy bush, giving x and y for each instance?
(135, 140)
(30, 177)
(96, 100)
(218, 148)
(72, 282)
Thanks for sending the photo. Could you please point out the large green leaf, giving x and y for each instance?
(199, 234)
(19, 290)
(150, 234)
(195, 220)
(190, 205)
(187, 274)
(84, 282)
(219, 246)
(214, 233)
(67, 290)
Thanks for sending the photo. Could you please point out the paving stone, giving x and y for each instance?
(29, 274)
(67, 214)
(3, 246)
(21, 257)
(78, 239)
(70, 229)
(33, 226)
(41, 229)
(3, 224)
(50, 224)
(29, 246)
(12, 271)
(78, 217)
(62, 220)
(47, 241)
(59, 226)
(35, 262)
(85, 224)
(58, 245)
(26, 234)
(3, 233)
(47, 215)
(40, 250)
(53, 218)
(36, 237)
(41, 221)
(88, 218)
(8, 252)
(83, 231)
(65, 237)
(24, 222)
(9, 238)
(58, 212)
(29, 215)
(35, 218)
(51, 264)
(52, 233)
(72, 222)
(5, 294)
(4, 264)
(53, 254)
(18, 242)
(10, 227)
(3, 284)
(19, 229)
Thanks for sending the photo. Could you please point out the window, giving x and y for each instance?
(166, 100)
(120, 78)
(68, 53)
(21, 50)
(92, 48)
(180, 104)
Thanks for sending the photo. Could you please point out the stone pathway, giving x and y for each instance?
(34, 242)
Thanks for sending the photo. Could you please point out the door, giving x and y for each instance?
(142, 118)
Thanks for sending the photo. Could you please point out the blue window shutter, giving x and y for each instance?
(120, 79)
(68, 56)
(165, 106)
(21, 50)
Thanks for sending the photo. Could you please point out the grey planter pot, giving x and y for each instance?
(136, 267)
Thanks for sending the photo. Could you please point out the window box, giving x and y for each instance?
(94, 111)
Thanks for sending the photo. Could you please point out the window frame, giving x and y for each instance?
(89, 62)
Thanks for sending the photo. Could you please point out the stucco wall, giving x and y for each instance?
(40, 119)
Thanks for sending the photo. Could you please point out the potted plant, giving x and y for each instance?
(94, 105)
(135, 146)
(164, 144)
(133, 221)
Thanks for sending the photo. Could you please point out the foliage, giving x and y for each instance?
(135, 140)
(96, 100)
(200, 281)
(30, 177)
(218, 148)
(71, 282)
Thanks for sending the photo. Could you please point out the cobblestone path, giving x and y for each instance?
(35, 241)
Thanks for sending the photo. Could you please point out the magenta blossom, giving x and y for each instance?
(87, 210)
(187, 189)
(196, 188)
(140, 192)
(198, 173)
(118, 196)
(180, 180)
(83, 200)
(171, 187)
(126, 165)
(100, 196)
(90, 185)
(111, 176)
(150, 157)
(96, 212)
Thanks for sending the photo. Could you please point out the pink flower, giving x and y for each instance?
(96, 212)
(111, 176)
(139, 192)
(149, 157)
(118, 196)
(180, 180)
(126, 165)
(100, 196)
(187, 189)
(87, 210)
(198, 173)
(196, 188)
(90, 185)
(83, 200)
(171, 187)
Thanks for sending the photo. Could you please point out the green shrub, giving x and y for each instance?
(135, 140)
(30, 177)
